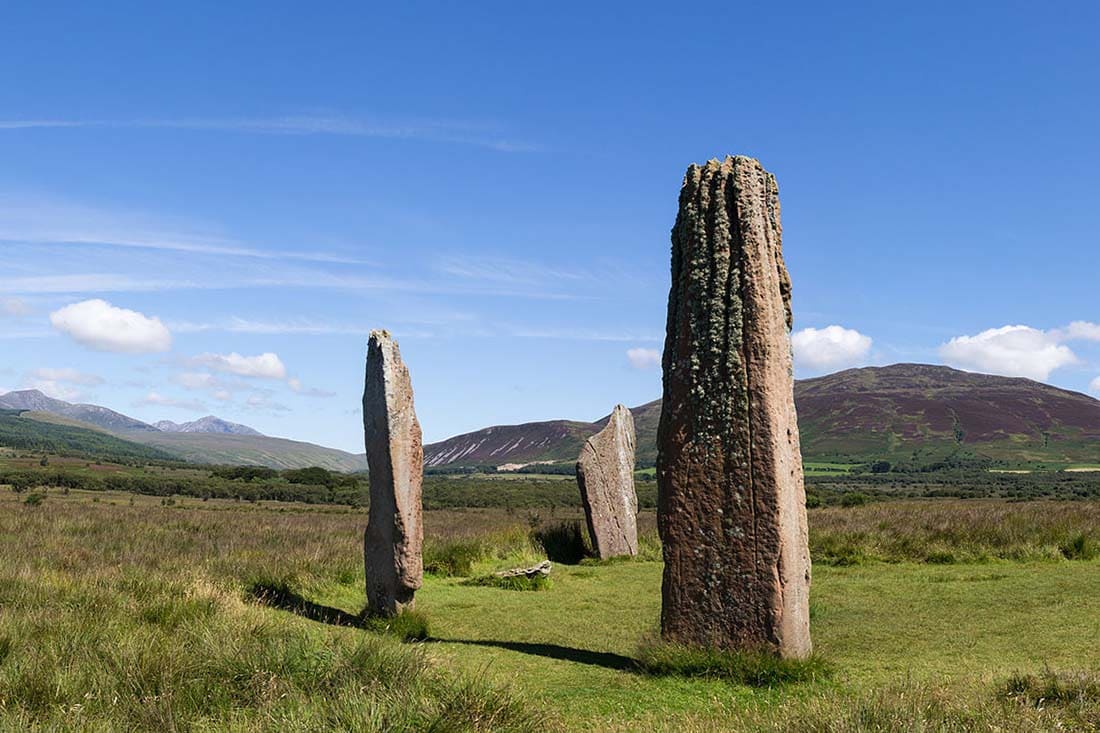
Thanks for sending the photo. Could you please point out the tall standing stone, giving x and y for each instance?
(732, 505)
(605, 475)
(395, 456)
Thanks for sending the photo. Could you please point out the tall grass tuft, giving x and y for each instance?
(407, 625)
(753, 668)
(514, 582)
(150, 618)
(1055, 688)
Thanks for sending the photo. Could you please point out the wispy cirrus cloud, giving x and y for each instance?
(14, 308)
(37, 220)
(292, 327)
(106, 282)
(66, 374)
(644, 358)
(507, 271)
(63, 383)
(438, 131)
(159, 400)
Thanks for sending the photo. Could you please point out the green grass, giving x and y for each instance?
(819, 468)
(137, 617)
(515, 582)
(756, 669)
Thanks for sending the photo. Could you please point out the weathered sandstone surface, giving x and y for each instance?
(731, 507)
(605, 475)
(395, 455)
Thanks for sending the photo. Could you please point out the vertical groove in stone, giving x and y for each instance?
(392, 543)
(731, 508)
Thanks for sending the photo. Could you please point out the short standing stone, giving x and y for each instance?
(605, 474)
(731, 506)
(395, 457)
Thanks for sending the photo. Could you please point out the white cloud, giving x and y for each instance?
(262, 366)
(159, 400)
(830, 348)
(1011, 351)
(643, 358)
(1094, 386)
(196, 380)
(1080, 331)
(14, 307)
(295, 385)
(263, 403)
(66, 374)
(99, 325)
(53, 388)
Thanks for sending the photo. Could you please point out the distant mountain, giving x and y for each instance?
(207, 440)
(922, 412)
(32, 399)
(251, 450)
(906, 413)
(208, 424)
(48, 433)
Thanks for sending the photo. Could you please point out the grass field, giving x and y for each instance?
(123, 613)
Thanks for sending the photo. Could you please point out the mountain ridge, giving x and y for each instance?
(909, 413)
(221, 442)
(207, 424)
(34, 401)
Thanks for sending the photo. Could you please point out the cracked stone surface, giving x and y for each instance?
(605, 475)
(395, 456)
(731, 499)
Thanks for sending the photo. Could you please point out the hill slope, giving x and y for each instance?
(27, 431)
(207, 440)
(251, 450)
(906, 412)
(894, 412)
(33, 400)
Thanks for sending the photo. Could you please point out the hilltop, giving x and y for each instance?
(905, 413)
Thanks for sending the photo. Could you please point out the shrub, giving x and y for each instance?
(563, 542)
(1079, 547)
(853, 498)
(34, 499)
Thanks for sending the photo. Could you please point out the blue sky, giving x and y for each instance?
(250, 189)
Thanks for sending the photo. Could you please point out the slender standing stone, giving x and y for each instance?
(605, 475)
(395, 456)
(731, 505)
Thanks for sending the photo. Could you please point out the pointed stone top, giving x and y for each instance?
(380, 334)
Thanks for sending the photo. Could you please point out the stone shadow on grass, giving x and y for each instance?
(608, 660)
(285, 599)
